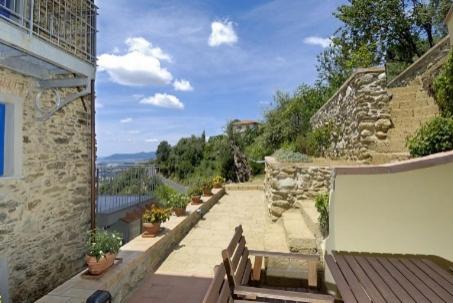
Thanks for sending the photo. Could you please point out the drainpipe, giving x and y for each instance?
(93, 157)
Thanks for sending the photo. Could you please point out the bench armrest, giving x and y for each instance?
(283, 295)
(298, 256)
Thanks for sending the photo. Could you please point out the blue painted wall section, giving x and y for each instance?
(2, 137)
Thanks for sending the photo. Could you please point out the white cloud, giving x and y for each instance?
(138, 96)
(163, 100)
(126, 120)
(182, 85)
(98, 105)
(140, 66)
(151, 140)
(222, 33)
(314, 40)
(145, 47)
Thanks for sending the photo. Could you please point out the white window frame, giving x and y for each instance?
(13, 136)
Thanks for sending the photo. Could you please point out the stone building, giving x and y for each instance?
(240, 126)
(47, 70)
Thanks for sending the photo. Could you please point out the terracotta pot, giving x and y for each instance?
(179, 211)
(196, 200)
(217, 185)
(207, 192)
(96, 267)
(151, 229)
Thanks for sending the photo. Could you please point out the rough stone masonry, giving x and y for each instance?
(360, 114)
(44, 214)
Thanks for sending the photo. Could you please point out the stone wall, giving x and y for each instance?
(45, 213)
(359, 113)
(287, 183)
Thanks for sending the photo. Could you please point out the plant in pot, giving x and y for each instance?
(178, 202)
(217, 181)
(207, 187)
(101, 250)
(152, 218)
(195, 193)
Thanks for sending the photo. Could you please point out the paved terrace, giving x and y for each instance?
(185, 275)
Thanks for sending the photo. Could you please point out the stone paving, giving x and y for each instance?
(185, 274)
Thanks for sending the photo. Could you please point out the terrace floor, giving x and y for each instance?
(185, 275)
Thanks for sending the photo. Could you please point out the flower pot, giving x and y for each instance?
(97, 267)
(207, 192)
(179, 211)
(217, 185)
(151, 229)
(196, 200)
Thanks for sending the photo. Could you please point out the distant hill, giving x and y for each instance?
(127, 158)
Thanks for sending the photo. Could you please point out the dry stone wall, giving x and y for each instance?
(286, 183)
(359, 113)
(45, 214)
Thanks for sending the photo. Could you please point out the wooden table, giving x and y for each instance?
(379, 278)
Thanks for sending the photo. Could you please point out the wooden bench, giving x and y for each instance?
(219, 291)
(239, 271)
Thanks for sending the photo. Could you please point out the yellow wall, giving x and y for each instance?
(406, 212)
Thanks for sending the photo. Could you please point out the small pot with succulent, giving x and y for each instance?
(195, 193)
(152, 218)
(178, 202)
(101, 250)
(207, 187)
(217, 181)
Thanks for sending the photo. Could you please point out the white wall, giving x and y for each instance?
(399, 212)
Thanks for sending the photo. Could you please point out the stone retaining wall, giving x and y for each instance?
(287, 183)
(45, 211)
(139, 256)
(359, 114)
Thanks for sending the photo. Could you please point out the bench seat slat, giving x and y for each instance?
(283, 295)
(298, 256)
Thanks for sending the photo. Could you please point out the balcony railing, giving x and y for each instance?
(68, 24)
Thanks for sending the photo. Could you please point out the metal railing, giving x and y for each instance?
(68, 24)
(122, 187)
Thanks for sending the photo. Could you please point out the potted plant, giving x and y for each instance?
(217, 181)
(195, 192)
(207, 187)
(152, 218)
(178, 202)
(101, 250)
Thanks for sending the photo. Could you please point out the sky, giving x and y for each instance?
(168, 69)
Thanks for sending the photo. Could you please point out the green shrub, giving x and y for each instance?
(434, 136)
(290, 156)
(322, 205)
(163, 193)
(315, 142)
(177, 200)
(443, 88)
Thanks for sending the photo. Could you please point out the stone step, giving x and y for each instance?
(298, 235)
(381, 158)
(311, 216)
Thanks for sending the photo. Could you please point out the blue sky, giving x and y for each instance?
(172, 68)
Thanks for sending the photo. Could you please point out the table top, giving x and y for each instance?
(382, 278)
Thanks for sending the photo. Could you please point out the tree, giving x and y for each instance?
(376, 32)
(162, 155)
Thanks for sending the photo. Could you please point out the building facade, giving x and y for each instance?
(47, 70)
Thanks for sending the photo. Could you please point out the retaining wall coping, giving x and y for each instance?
(358, 71)
(420, 61)
(139, 256)
(397, 167)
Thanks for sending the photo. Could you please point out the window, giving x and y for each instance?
(2, 137)
(10, 136)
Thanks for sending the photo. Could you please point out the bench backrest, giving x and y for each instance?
(236, 260)
(219, 291)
